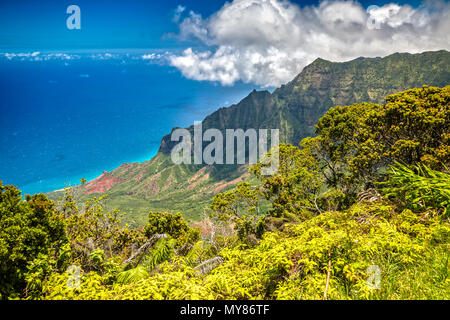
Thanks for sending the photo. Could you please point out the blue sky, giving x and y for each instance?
(264, 42)
(30, 24)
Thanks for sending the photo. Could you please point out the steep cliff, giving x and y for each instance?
(293, 108)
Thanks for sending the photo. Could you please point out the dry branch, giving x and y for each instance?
(143, 249)
(209, 265)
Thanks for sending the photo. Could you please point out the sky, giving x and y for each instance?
(265, 42)
(105, 23)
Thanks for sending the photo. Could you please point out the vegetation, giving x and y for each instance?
(421, 188)
(294, 108)
(32, 242)
(358, 212)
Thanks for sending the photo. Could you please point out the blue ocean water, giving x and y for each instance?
(66, 119)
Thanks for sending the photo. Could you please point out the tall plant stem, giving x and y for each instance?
(328, 275)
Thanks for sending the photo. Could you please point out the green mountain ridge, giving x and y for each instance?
(293, 108)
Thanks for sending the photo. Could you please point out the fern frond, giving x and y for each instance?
(132, 275)
(194, 255)
(162, 251)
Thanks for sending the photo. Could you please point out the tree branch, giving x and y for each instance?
(143, 249)
(209, 265)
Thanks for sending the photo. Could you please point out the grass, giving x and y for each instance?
(424, 281)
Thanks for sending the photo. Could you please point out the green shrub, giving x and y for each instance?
(419, 188)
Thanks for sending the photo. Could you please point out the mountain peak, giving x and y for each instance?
(293, 109)
(320, 61)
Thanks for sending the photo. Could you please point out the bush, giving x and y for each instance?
(419, 188)
(31, 232)
(173, 225)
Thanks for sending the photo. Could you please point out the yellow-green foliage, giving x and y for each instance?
(132, 275)
(316, 241)
(32, 237)
(411, 251)
(173, 225)
(355, 141)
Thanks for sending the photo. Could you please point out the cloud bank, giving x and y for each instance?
(268, 42)
(125, 57)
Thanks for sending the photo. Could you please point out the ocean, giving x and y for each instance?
(66, 116)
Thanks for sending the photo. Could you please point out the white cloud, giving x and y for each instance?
(178, 11)
(38, 56)
(152, 56)
(21, 55)
(268, 42)
(121, 57)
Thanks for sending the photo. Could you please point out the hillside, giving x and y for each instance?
(350, 233)
(294, 108)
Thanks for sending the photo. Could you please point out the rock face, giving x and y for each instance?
(293, 108)
(101, 184)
